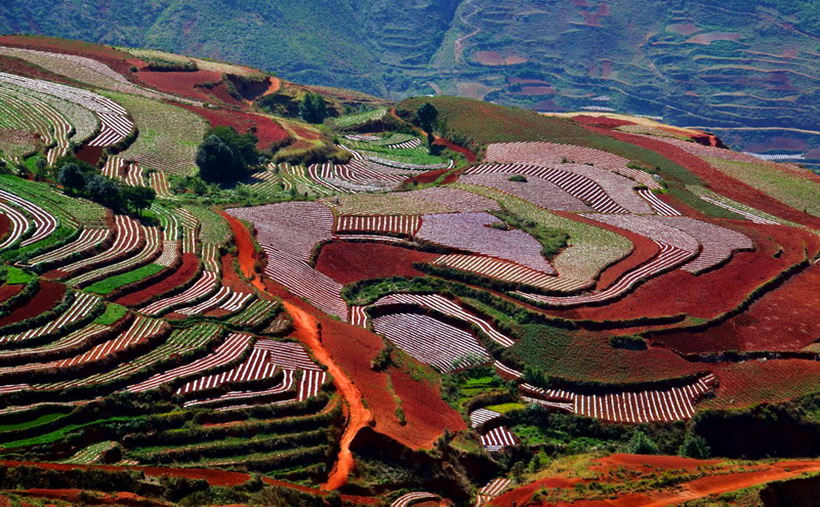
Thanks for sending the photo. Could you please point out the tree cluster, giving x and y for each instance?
(313, 108)
(81, 179)
(226, 155)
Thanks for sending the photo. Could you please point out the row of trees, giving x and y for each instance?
(226, 155)
(81, 179)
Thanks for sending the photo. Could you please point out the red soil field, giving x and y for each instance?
(5, 225)
(727, 477)
(182, 83)
(708, 38)
(266, 129)
(348, 262)
(186, 271)
(785, 319)
(752, 382)
(90, 154)
(724, 184)
(47, 297)
(117, 60)
(714, 292)
(432, 176)
(73, 496)
(7, 291)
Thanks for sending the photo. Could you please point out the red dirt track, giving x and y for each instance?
(717, 180)
(186, 271)
(5, 225)
(348, 262)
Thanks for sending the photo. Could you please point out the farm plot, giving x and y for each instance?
(82, 306)
(141, 330)
(127, 239)
(577, 185)
(224, 298)
(416, 202)
(356, 176)
(289, 233)
(255, 368)
(658, 206)
(152, 248)
(538, 191)
(498, 438)
(88, 239)
(206, 284)
(44, 222)
(668, 258)
(589, 249)
(83, 121)
(551, 153)
(473, 232)
(414, 497)
(169, 135)
(254, 315)
(351, 120)
(641, 406)
(447, 307)
(72, 211)
(619, 188)
(226, 353)
(431, 341)
(396, 224)
(718, 243)
(19, 226)
(491, 490)
(180, 343)
(482, 416)
(509, 272)
(113, 117)
(23, 111)
(84, 337)
(741, 210)
(82, 69)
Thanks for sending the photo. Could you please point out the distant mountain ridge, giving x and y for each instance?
(732, 64)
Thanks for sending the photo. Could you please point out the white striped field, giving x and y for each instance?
(44, 222)
(509, 272)
(201, 288)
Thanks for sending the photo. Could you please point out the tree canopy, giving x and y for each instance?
(226, 155)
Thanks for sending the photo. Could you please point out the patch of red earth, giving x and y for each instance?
(643, 462)
(183, 84)
(785, 319)
(708, 38)
(593, 18)
(714, 292)
(266, 130)
(601, 121)
(726, 185)
(185, 273)
(523, 495)
(304, 132)
(5, 225)
(90, 154)
(120, 61)
(230, 278)
(45, 299)
(348, 262)
(754, 382)
(8, 291)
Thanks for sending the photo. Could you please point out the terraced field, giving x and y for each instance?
(332, 325)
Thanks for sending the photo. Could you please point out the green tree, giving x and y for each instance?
(72, 177)
(640, 443)
(103, 190)
(243, 145)
(427, 115)
(216, 160)
(138, 198)
(694, 446)
(313, 108)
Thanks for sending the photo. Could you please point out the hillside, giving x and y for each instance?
(218, 286)
(744, 71)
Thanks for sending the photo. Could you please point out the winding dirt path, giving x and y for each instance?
(458, 45)
(307, 329)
